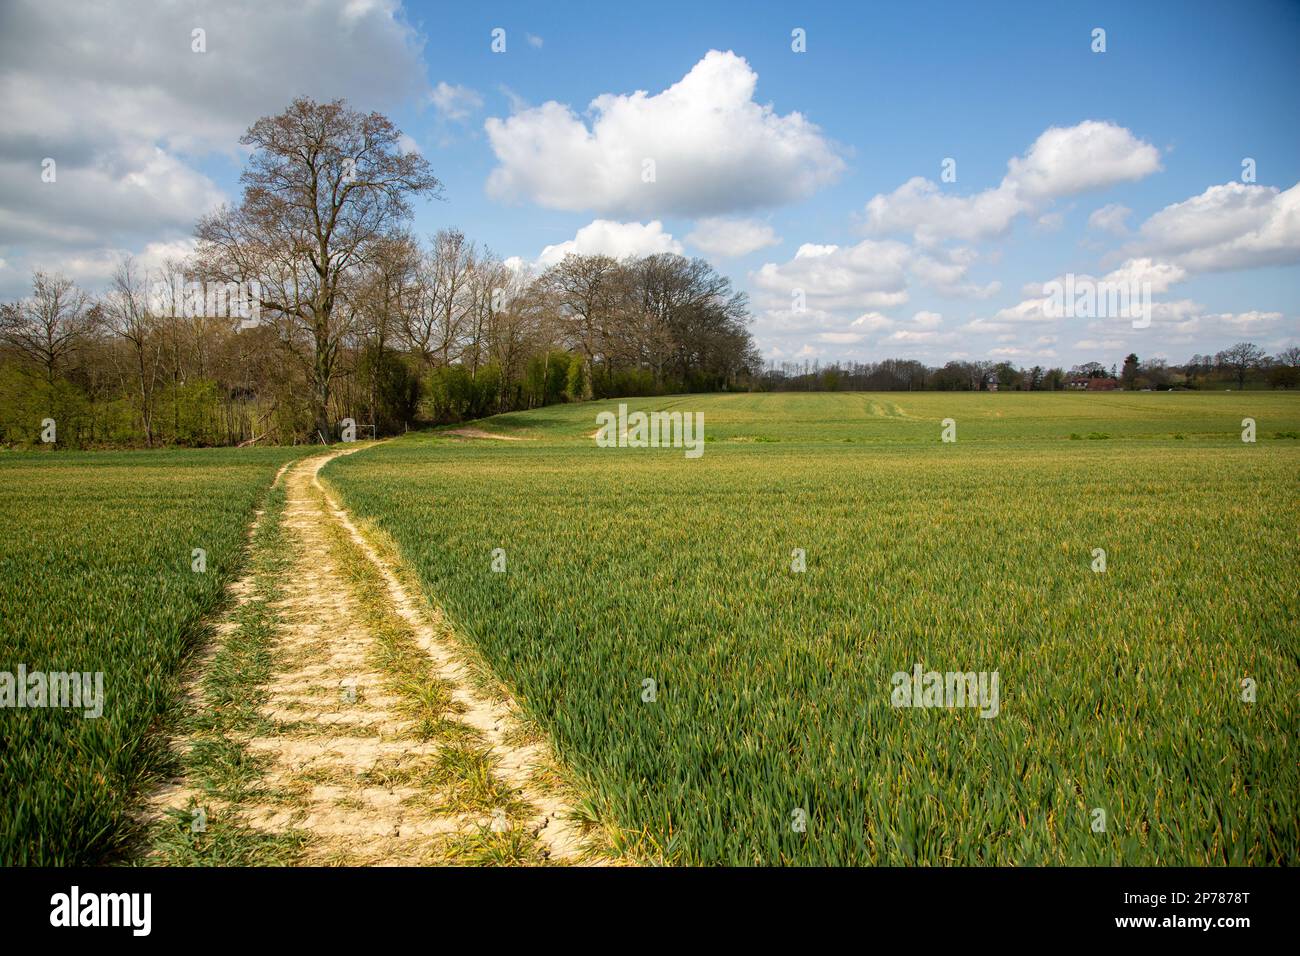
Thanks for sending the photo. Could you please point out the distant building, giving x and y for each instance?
(1079, 383)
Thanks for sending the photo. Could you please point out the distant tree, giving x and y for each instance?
(1285, 372)
(1239, 360)
(1007, 375)
(1089, 370)
(1129, 376)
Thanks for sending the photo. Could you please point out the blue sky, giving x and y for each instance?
(773, 187)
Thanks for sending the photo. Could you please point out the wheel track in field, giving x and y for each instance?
(343, 754)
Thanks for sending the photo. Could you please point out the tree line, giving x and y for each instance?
(1243, 365)
(311, 303)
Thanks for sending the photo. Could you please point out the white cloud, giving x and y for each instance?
(1161, 275)
(715, 150)
(1066, 161)
(1037, 305)
(115, 95)
(984, 325)
(1063, 161)
(927, 337)
(1233, 226)
(921, 207)
(455, 103)
(134, 189)
(729, 238)
(67, 80)
(874, 274)
(617, 239)
(534, 40)
(1245, 322)
(1022, 352)
(1110, 218)
(945, 272)
(873, 322)
(869, 275)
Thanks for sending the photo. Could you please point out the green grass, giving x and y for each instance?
(96, 575)
(1119, 691)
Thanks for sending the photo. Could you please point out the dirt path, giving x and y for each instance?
(371, 743)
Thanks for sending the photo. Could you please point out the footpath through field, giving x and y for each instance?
(367, 742)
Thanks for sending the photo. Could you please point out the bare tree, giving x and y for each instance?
(325, 183)
(51, 325)
(586, 291)
(128, 314)
(446, 300)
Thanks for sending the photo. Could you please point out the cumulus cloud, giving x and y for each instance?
(133, 189)
(714, 149)
(864, 276)
(1063, 161)
(1066, 161)
(617, 239)
(1233, 226)
(922, 208)
(729, 238)
(872, 275)
(945, 271)
(66, 83)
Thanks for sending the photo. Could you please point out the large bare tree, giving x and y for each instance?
(324, 187)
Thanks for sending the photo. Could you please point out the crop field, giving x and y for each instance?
(99, 576)
(718, 705)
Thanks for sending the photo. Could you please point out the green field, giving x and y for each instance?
(1120, 691)
(96, 575)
